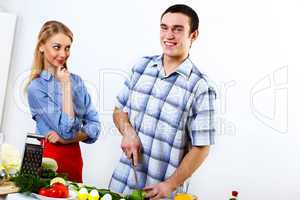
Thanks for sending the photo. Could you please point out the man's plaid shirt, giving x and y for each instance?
(169, 114)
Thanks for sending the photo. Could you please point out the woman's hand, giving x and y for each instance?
(53, 137)
(62, 74)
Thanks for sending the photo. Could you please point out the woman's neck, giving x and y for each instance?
(50, 68)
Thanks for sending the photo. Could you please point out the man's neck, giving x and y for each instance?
(171, 64)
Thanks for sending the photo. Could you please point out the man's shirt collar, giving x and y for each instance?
(184, 69)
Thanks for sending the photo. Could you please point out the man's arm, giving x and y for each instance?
(121, 120)
(131, 144)
(191, 161)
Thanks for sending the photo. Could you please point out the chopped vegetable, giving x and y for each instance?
(102, 192)
(49, 163)
(57, 190)
(58, 180)
(94, 195)
(62, 190)
(137, 195)
(83, 194)
(106, 197)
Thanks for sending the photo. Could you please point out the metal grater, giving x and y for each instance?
(33, 154)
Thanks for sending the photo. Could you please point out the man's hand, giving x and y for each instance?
(131, 145)
(159, 191)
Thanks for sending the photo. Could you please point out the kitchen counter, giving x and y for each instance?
(17, 196)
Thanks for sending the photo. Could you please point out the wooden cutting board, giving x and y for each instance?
(8, 187)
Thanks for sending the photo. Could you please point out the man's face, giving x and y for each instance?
(175, 36)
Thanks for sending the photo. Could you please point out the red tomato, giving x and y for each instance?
(58, 185)
(235, 193)
(62, 189)
(43, 191)
(65, 193)
(54, 192)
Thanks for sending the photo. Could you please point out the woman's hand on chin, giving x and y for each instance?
(62, 74)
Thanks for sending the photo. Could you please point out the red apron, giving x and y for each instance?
(68, 158)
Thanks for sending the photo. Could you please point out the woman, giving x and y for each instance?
(59, 101)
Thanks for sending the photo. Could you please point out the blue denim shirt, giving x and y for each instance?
(45, 101)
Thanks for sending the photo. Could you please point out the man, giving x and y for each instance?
(165, 113)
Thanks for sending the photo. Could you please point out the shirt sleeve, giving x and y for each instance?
(44, 108)
(122, 98)
(41, 127)
(91, 124)
(201, 124)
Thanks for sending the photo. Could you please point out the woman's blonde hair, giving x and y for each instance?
(49, 29)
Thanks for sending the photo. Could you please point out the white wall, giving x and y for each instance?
(249, 48)
(8, 22)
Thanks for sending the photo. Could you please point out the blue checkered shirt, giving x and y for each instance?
(170, 114)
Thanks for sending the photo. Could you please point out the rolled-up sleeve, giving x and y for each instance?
(44, 108)
(91, 123)
(41, 127)
(201, 124)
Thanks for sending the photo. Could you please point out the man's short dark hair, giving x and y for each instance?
(186, 10)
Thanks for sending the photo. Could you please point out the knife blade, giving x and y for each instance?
(134, 172)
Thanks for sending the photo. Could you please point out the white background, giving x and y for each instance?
(8, 22)
(250, 49)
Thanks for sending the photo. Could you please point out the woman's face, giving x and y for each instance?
(56, 50)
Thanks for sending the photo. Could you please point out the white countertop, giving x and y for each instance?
(19, 196)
